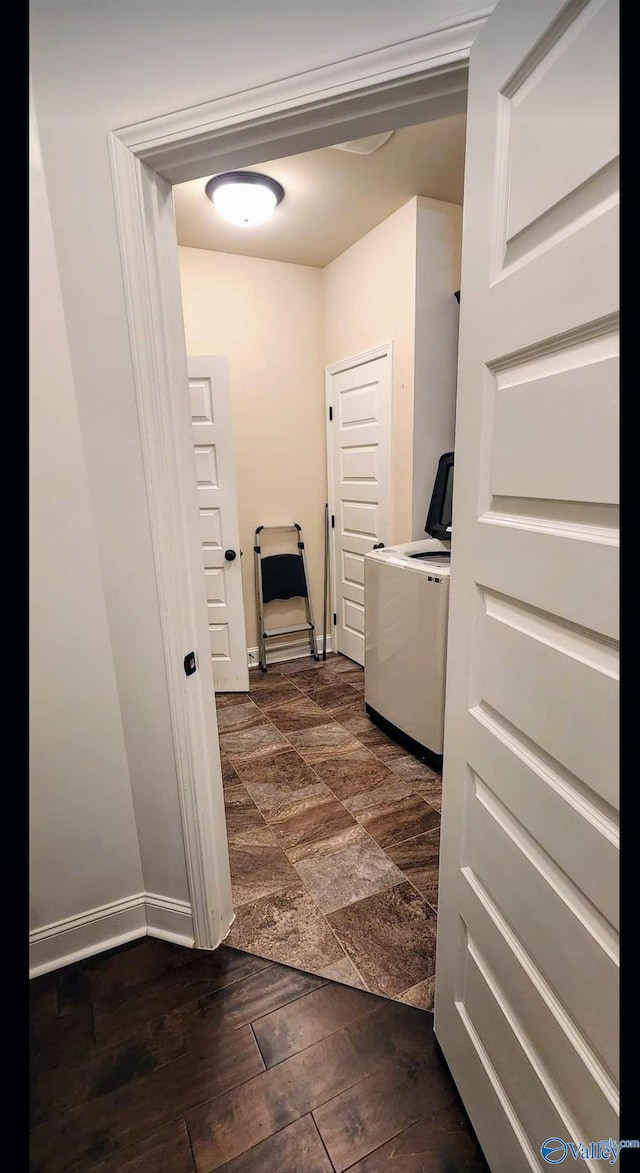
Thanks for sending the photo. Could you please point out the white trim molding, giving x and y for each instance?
(171, 920)
(396, 85)
(179, 144)
(152, 289)
(77, 937)
(357, 360)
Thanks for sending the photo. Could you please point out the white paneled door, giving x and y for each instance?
(219, 531)
(359, 461)
(527, 962)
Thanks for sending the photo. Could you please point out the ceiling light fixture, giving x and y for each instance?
(244, 198)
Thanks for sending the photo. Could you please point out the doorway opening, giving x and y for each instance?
(340, 310)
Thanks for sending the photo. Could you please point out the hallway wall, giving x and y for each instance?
(84, 850)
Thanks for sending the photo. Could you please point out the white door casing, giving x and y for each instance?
(358, 392)
(526, 1004)
(210, 404)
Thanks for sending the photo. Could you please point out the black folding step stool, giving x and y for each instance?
(282, 576)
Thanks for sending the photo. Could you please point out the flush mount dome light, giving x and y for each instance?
(244, 197)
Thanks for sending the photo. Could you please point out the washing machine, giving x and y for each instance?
(406, 601)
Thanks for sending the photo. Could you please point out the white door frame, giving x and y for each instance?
(412, 81)
(335, 368)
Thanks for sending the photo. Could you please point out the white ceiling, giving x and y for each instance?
(332, 198)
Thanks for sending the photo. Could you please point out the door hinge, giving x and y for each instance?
(330, 413)
(333, 521)
(335, 618)
(190, 663)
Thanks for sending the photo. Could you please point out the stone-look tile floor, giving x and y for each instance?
(333, 832)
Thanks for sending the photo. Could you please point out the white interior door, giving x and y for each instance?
(210, 398)
(359, 458)
(527, 965)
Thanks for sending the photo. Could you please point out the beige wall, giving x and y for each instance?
(369, 298)
(84, 849)
(266, 317)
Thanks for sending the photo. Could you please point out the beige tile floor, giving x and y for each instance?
(333, 832)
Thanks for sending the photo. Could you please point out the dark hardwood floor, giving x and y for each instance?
(157, 1059)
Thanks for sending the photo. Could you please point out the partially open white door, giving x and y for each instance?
(359, 474)
(219, 530)
(527, 963)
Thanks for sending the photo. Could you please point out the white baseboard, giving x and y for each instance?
(171, 920)
(77, 937)
(145, 914)
(294, 649)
